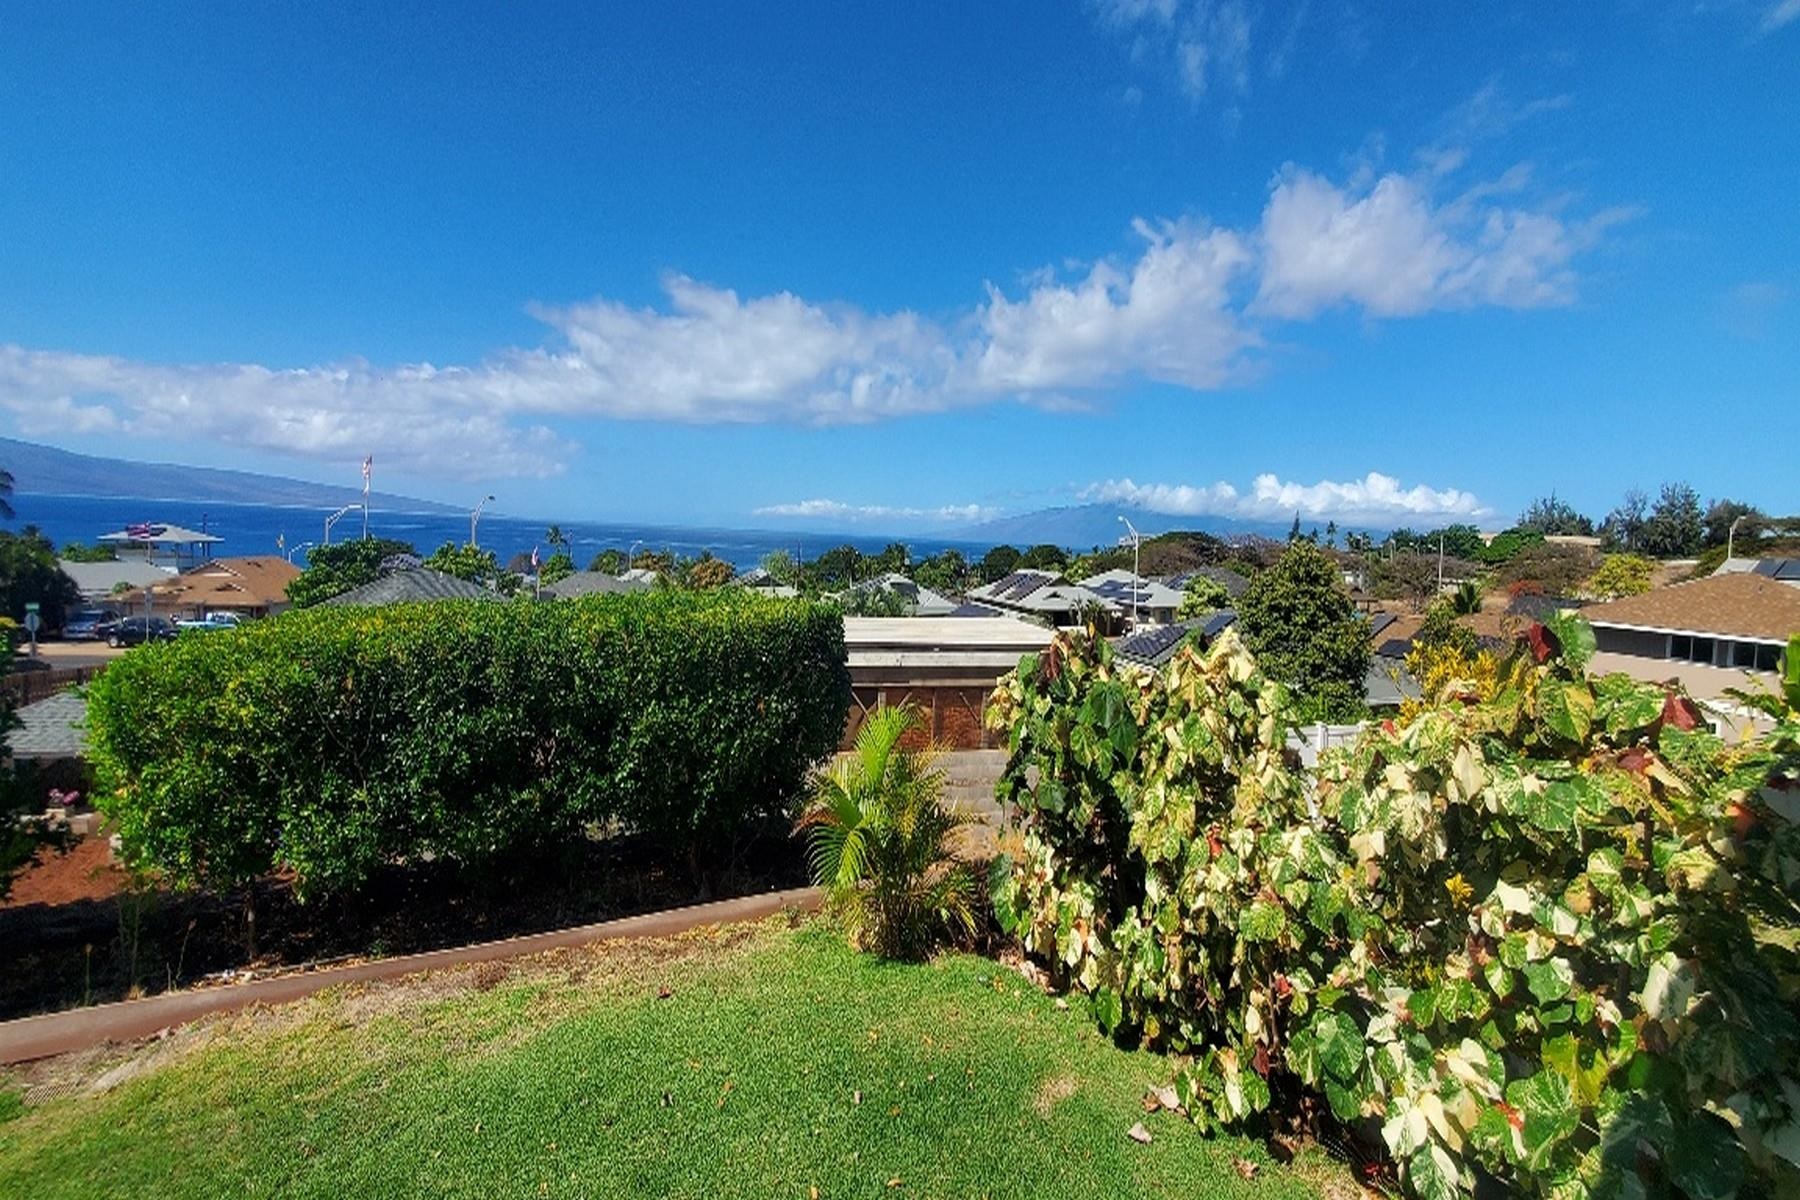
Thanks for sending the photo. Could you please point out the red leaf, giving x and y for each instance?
(1261, 1061)
(1544, 644)
(1635, 759)
(1680, 712)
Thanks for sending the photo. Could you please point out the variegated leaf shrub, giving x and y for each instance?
(1542, 931)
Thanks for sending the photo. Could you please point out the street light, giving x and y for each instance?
(335, 517)
(299, 548)
(631, 554)
(475, 518)
(1731, 534)
(1136, 540)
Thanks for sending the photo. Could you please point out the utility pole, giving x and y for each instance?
(475, 518)
(1731, 536)
(1136, 580)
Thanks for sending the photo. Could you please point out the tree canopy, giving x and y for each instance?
(1297, 619)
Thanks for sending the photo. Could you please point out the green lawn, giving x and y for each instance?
(573, 1076)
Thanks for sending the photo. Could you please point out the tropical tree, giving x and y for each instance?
(1554, 517)
(879, 843)
(464, 561)
(77, 552)
(1623, 528)
(1411, 576)
(335, 569)
(29, 574)
(707, 572)
(782, 567)
(558, 566)
(947, 571)
(1202, 595)
(1620, 575)
(1675, 528)
(1044, 557)
(1296, 617)
(556, 539)
(998, 563)
(1720, 515)
(608, 561)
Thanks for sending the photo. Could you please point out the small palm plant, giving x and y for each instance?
(879, 835)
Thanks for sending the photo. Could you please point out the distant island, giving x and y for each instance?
(47, 471)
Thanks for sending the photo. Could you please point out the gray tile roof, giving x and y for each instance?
(51, 728)
(592, 583)
(402, 587)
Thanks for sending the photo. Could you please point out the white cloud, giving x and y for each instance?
(1190, 308)
(1206, 43)
(1168, 318)
(1374, 498)
(1780, 14)
(1391, 250)
(838, 510)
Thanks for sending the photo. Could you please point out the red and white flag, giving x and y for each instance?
(368, 469)
(534, 558)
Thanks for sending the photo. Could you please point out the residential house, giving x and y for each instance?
(593, 583)
(171, 546)
(759, 580)
(253, 586)
(1782, 570)
(1146, 601)
(413, 585)
(99, 582)
(916, 599)
(1712, 635)
(1233, 583)
(1048, 597)
(1154, 645)
(945, 670)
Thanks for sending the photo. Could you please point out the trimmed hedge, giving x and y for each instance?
(333, 740)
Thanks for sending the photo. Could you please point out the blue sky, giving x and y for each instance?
(833, 265)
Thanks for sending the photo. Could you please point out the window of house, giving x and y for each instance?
(1681, 646)
(1768, 658)
(1703, 650)
(1743, 654)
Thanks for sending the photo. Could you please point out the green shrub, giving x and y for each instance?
(879, 839)
(1545, 932)
(330, 741)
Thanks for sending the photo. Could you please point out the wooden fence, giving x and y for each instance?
(28, 687)
(951, 712)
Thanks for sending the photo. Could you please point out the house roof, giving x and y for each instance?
(1121, 587)
(1040, 592)
(1748, 606)
(1233, 583)
(257, 581)
(924, 601)
(99, 578)
(592, 583)
(158, 534)
(405, 587)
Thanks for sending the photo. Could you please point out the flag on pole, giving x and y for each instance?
(534, 558)
(368, 470)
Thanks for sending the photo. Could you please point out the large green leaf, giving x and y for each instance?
(1567, 708)
(1547, 1105)
(1704, 1158)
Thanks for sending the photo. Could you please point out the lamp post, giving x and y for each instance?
(1731, 535)
(337, 516)
(475, 518)
(631, 554)
(1136, 545)
(299, 548)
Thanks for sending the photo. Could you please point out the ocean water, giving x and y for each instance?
(256, 528)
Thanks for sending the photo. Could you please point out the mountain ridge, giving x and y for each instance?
(43, 470)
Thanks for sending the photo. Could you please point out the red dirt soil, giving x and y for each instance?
(86, 872)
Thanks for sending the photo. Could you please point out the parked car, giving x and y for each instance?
(214, 620)
(84, 624)
(134, 631)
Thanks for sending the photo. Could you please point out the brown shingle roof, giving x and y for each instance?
(251, 582)
(1740, 605)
